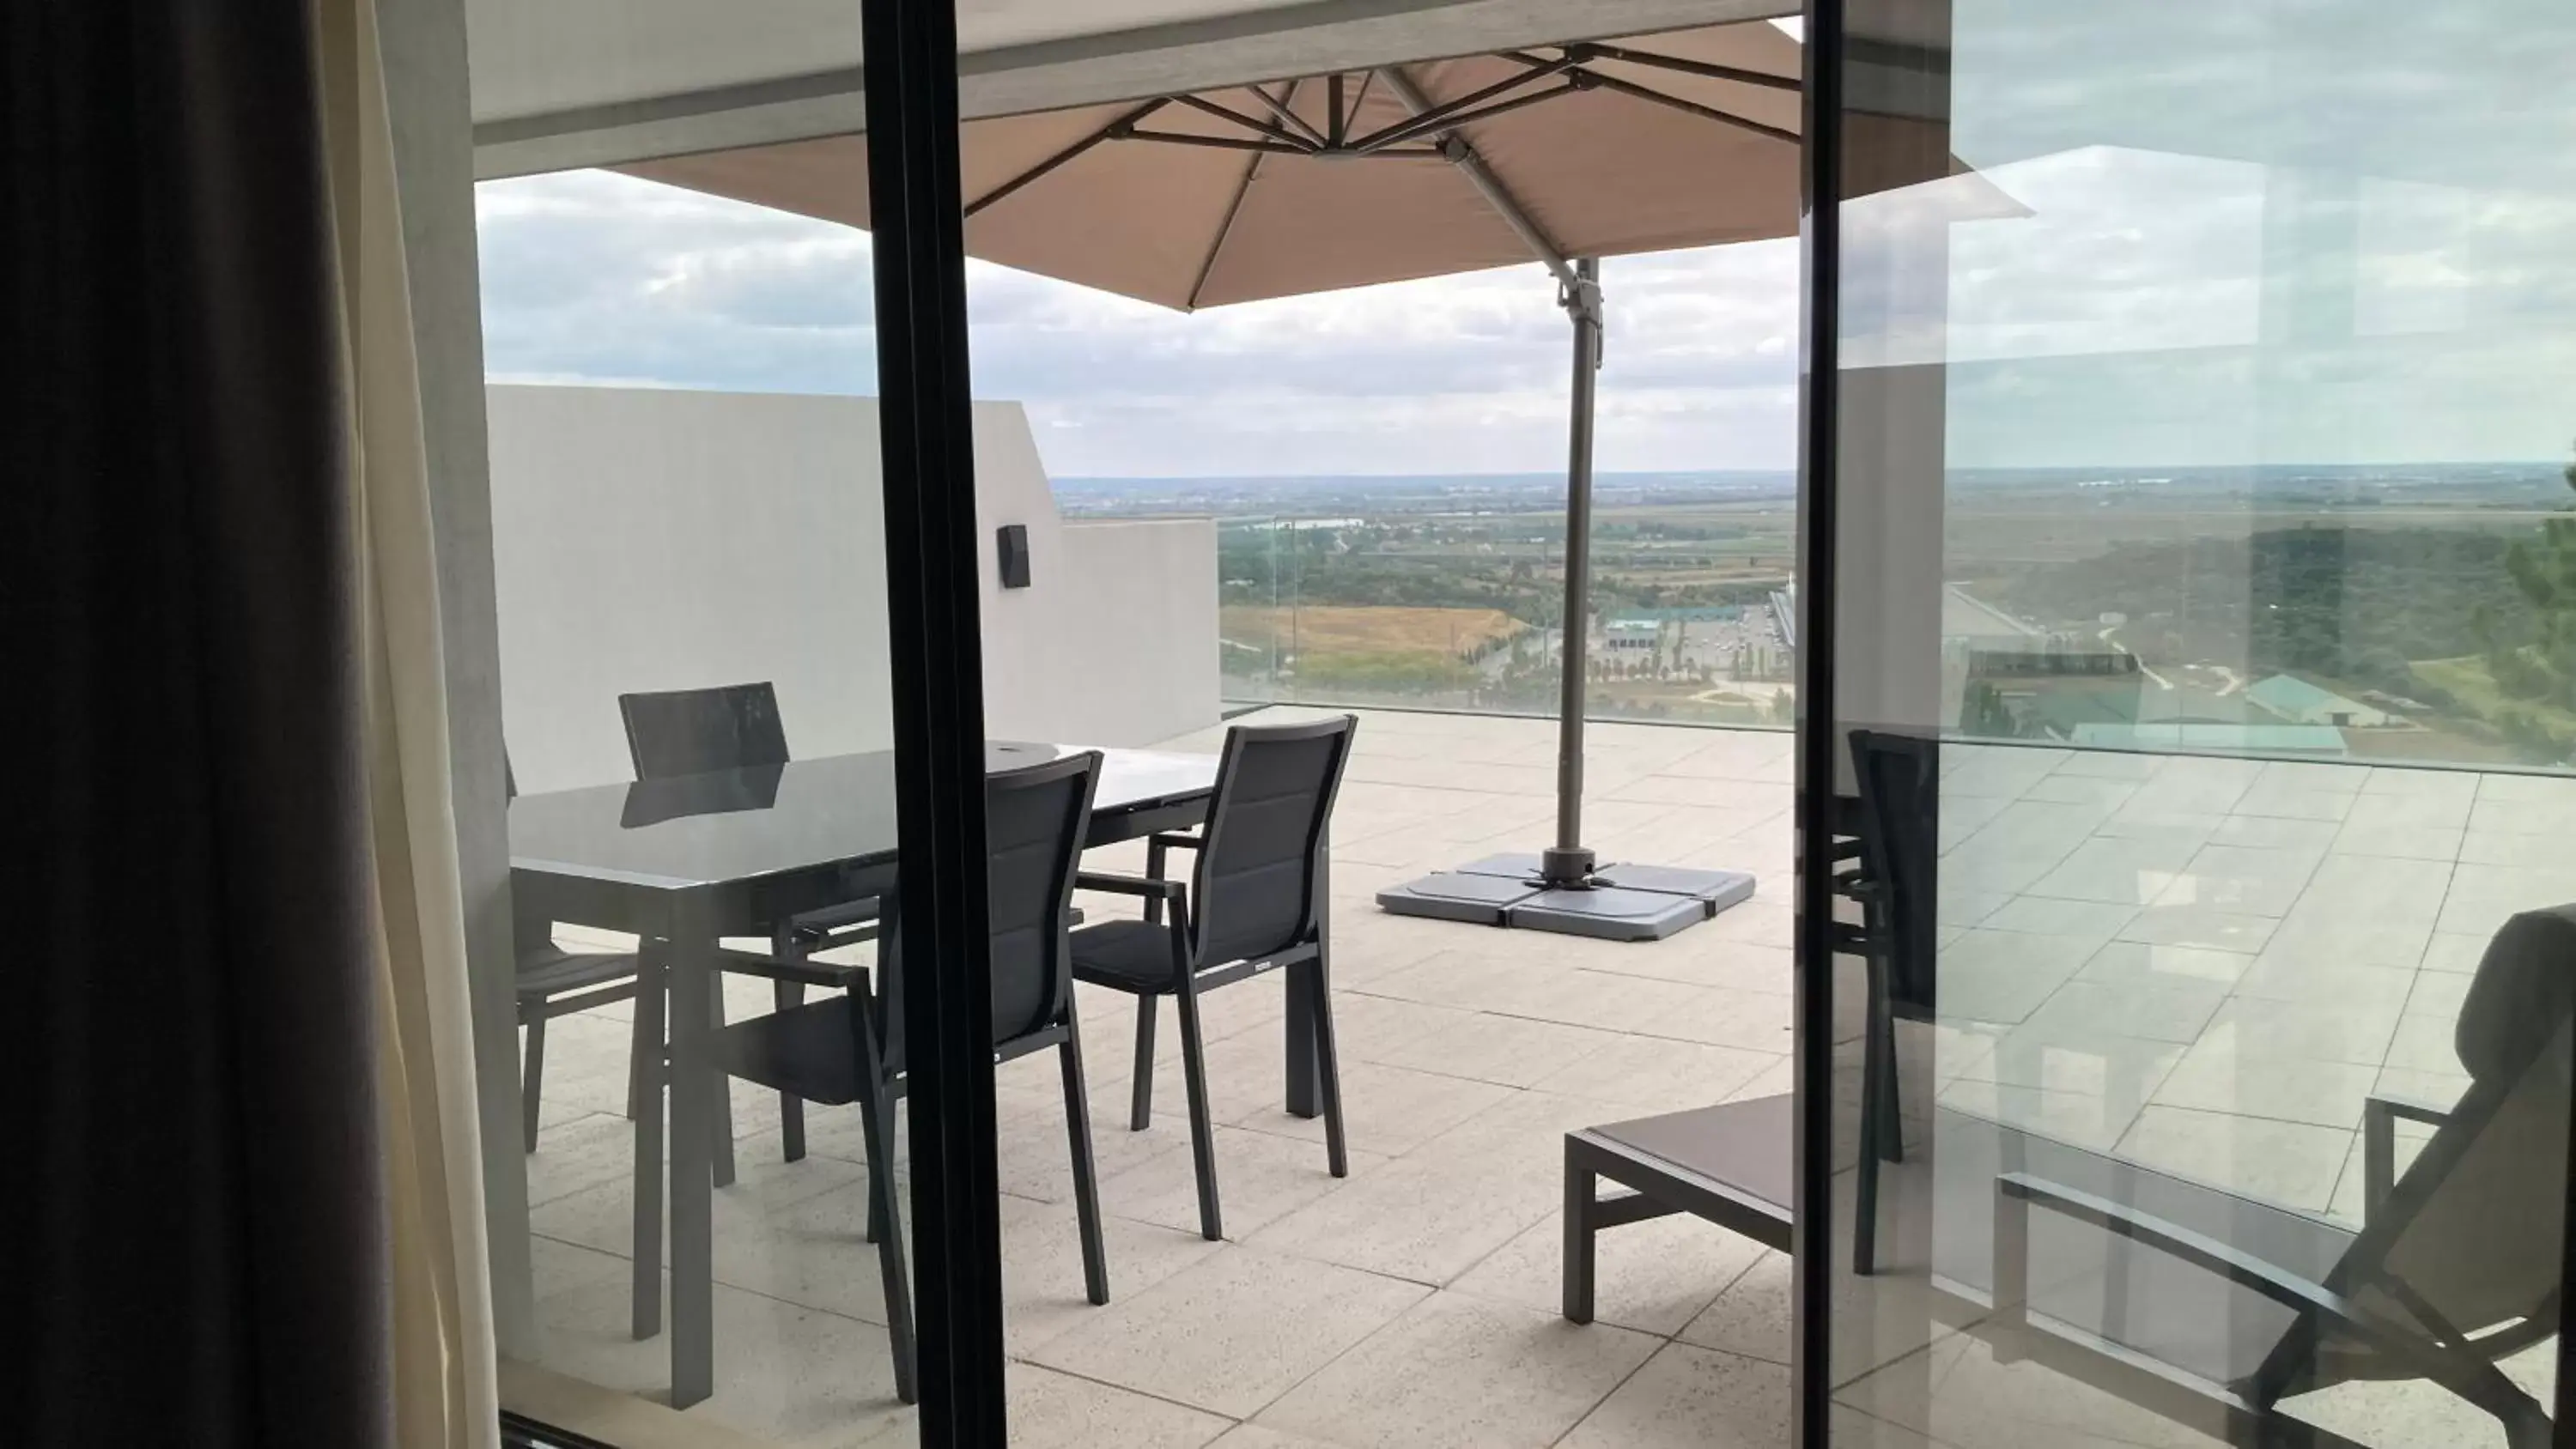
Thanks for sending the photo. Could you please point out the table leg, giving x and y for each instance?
(720, 1088)
(693, 1127)
(1305, 985)
(645, 1098)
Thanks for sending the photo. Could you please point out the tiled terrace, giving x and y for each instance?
(2200, 964)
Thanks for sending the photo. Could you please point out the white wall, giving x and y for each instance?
(662, 539)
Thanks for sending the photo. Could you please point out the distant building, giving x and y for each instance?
(2287, 697)
(1636, 635)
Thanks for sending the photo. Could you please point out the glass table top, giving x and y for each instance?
(742, 824)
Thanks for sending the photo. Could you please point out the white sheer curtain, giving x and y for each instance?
(444, 1358)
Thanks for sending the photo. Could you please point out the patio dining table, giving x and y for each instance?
(683, 863)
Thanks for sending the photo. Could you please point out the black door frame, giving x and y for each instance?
(1820, 259)
(935, 638)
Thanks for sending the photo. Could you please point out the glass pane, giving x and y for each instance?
(1337, 482)
(688, 546)
(2202, 670)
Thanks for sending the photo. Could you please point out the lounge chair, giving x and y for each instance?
(2198, 1302)
(2455, 1267)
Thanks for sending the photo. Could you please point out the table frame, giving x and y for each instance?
(681, 959)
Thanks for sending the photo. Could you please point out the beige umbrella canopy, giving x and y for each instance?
(1556, 153)
(1271, 190)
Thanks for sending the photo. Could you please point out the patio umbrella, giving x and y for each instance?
(1563, 153)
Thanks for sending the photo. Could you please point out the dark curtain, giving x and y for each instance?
(192, 1222)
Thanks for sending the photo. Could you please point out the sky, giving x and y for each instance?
(2231, 247)
(595, 277)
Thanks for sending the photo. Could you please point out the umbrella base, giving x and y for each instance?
(1620, 902)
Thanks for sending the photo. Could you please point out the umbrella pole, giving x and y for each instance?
(1568, 863)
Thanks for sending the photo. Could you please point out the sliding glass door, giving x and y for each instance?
(2195, 715)
(736, 1173)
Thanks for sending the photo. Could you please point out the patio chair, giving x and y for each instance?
(1894, 882)
(849, 1048)
(1252, 905)
(675, 733)
(552, 982)
(2454, 1268)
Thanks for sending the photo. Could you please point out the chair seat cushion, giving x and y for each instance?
(1743, 1146)
(552, 971)
(1129, 955)
(807, 1050)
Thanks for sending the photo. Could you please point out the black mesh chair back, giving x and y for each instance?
(1035, 819)
(693, 731)
(1254, 893)
(2473, 1226)
(1034, 822)
(1899, 777)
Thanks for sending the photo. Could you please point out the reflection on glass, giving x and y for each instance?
(2204, 673)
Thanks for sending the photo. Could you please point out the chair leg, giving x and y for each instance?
(1140, 1106)
(1086, 1181)
(1580, 1190)
(532, 1079)
(786, 996)
(1872, 1151)
(1328, 1067)
(876, 1123)
(878, 1117)
(1865, 1197)
(1202, 1133)
(874, 1230)
(1891, 1130)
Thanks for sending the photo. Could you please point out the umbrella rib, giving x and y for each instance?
(1234, 208)
(1254, 124)
(1220, 143)
(1453, 121)
(1462, 154)
(1279, 106)
(1645, 93)
(1123, 124)
(1434, 117)
(1360, 96)
(1700, 68)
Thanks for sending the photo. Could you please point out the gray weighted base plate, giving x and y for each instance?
(1456, 896)
(1608, 913)
(1717, 888)
(1626, 903)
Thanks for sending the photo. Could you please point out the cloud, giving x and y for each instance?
(2153, 307)
(598, 277)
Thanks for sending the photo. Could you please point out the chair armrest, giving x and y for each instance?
(1128, 885)
(2379, 1118)
(2017, 1192)
(2465, 1374)
(801, 970)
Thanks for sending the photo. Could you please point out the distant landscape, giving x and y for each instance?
(2410, 613)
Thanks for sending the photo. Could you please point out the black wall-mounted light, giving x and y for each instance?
(1013, 539)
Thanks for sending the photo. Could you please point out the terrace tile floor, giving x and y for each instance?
(2200, 964)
